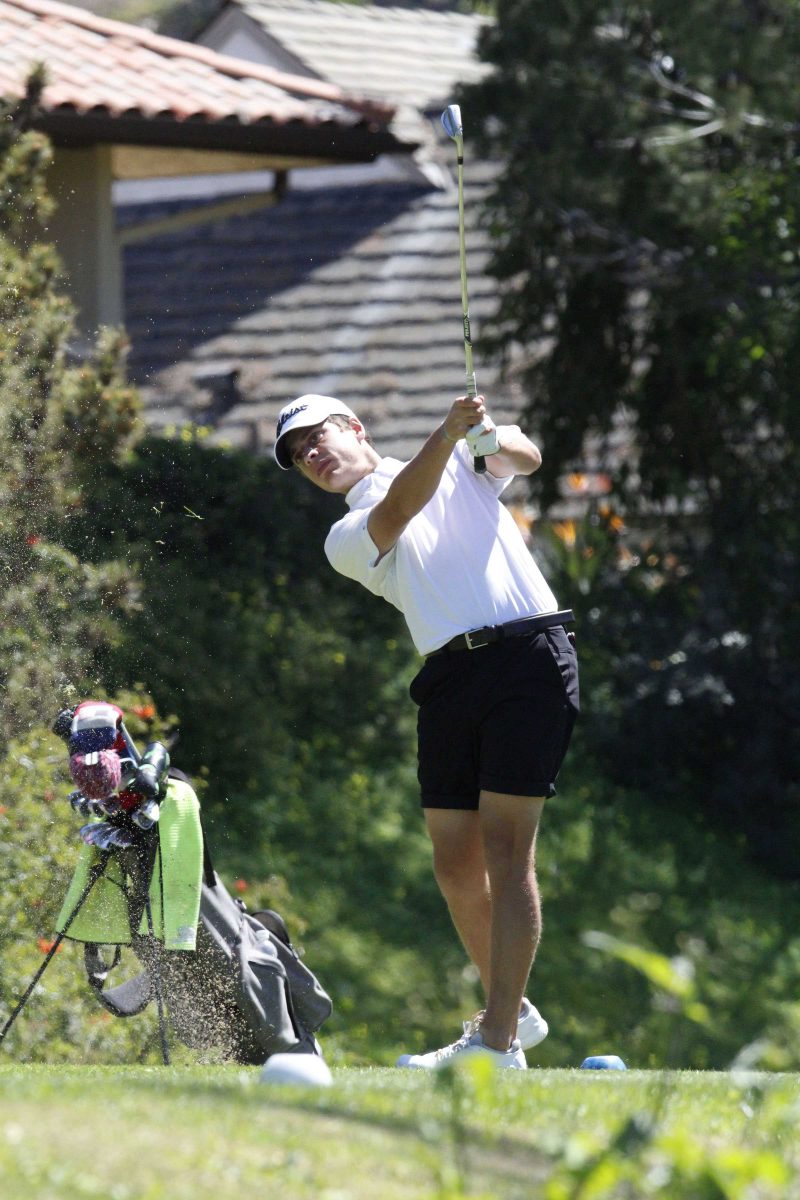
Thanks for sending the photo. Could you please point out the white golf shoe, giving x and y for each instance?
(531, 1027)
(471, 1043)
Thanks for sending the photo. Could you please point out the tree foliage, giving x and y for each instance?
(646, 223)
(57, 417)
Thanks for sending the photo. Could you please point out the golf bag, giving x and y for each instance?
(231, 980)
(243, 992)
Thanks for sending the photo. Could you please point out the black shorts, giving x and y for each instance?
(498, 718)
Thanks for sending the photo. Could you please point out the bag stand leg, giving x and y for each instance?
(95, 873)
(157, 982)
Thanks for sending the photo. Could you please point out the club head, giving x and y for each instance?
(122, 839)
(93, 833)
(451, 120)
(146, 815)
(109, 807)
(105, 837)
(78, 803)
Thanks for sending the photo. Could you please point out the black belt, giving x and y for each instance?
(476, 638)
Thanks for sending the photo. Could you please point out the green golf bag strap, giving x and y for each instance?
(208, 865)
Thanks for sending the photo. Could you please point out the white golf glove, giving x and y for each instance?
(482, 439)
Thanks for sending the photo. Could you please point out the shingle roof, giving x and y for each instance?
(352, 291)
(107, 69)
(409, 55)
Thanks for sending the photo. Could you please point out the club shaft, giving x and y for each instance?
(472, 388)
(451, 120)
(130, 744)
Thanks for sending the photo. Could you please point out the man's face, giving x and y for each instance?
(331, 457)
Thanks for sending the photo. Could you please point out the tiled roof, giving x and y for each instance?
(411, 57)
(351, 291)
(408, 55)
(101, 67)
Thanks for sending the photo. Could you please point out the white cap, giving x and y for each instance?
(302, 414)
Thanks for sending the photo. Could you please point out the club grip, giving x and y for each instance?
(480, 465)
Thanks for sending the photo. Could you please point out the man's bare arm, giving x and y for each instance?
(416, 484)
(517, 456)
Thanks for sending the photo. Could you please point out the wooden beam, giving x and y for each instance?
(160, 162)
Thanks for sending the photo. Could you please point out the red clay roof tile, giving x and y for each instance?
(99, 66)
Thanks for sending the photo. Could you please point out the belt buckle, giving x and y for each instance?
(474, 633)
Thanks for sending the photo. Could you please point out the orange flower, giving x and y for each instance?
(145, 711)
(45, 946)
(566, 532)
(240, 885)
(3, 809)
(578, 482)
(32, 539)
(613, 519)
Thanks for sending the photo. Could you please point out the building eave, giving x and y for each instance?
(326, 141)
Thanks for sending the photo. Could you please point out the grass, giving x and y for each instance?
(212, 1132)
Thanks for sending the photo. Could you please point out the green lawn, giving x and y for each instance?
(207, 1133)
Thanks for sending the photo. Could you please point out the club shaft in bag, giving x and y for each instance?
(451, 120)
(130, 745)
(96, 872)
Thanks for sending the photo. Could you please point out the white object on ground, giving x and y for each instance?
(300, 1070)
(469, 1044)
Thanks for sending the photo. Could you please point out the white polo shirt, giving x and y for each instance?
(461, 563)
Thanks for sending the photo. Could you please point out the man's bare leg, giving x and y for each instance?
(508, 827)
(460, 869)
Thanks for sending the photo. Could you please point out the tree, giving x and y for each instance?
(57, 419)
(61, 419)
(645, 223)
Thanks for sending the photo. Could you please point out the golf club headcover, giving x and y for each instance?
(62, 726)
(96, 726)
(97, 774)
(151, 771)
(482, 439)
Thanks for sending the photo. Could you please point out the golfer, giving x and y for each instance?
(497, 692)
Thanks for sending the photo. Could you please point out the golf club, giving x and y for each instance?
(483, 438)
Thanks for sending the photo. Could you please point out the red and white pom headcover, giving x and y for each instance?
(98, 774)
(95, 746)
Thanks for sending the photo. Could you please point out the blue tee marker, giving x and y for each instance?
(604, 1062)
